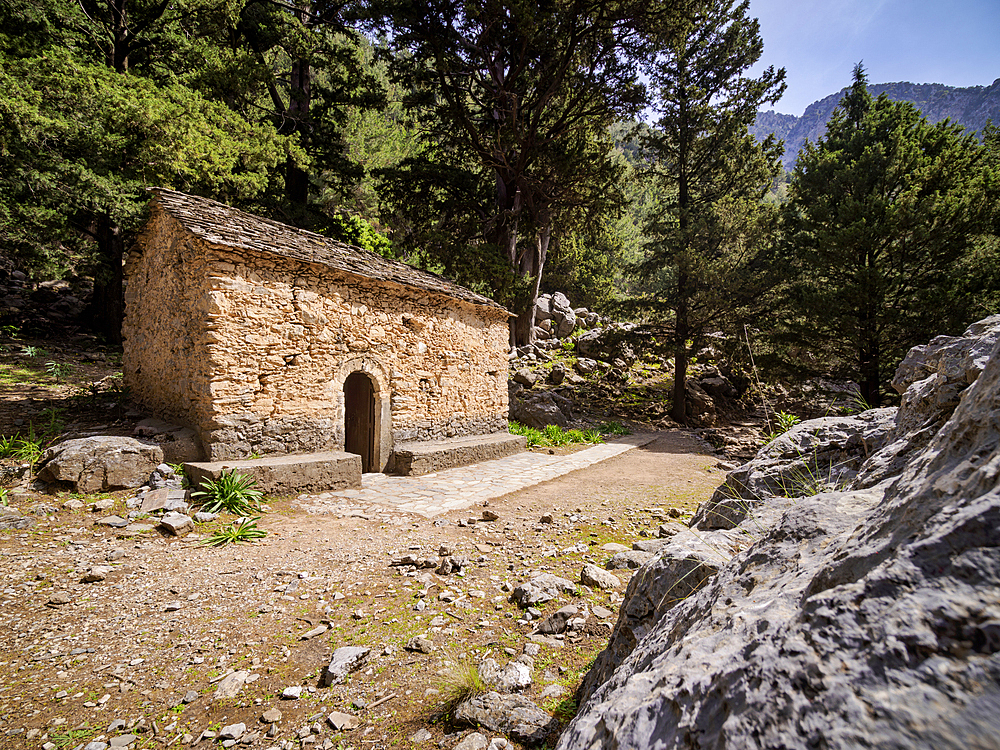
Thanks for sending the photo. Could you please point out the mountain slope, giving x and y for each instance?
(971, 107)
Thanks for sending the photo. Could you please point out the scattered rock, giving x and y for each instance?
(318, 630)
(164, 499)
(96, 574)
(474, 741)
(177, 523)
(629, 559)
(541, 588)
(344, 661)
(343, 722)
(232, 732)
(556, 622)
(115, 522)
(420, 736)
(190, 697)
(421, 644)
(59, 598)
(292, 693)
(513, 715)
(271, 716)
(231, 685)
(595, 577)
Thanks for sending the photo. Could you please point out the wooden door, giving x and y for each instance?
(359, 418)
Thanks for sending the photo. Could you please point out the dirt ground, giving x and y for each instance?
(174, 615)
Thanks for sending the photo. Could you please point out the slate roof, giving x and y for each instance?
(219, 224)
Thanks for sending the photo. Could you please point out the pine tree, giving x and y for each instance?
(710, 175)
(882, 211)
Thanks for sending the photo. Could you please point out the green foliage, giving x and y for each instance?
(881, 230)
(516, 154)
(613, 428)
(356, 231)
(58, 370)
(240, 530)
(783, 422)
(232, 492)
(21, 448)
(4, 497)
(32, 351)
(554, 435)
(710, 233)
(460, 681)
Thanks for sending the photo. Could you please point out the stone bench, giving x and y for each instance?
(287, 475)
(416, 458)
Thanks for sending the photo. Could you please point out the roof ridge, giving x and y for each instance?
(221, 224)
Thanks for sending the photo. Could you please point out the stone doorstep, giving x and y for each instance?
(416, 458)
(287, 475)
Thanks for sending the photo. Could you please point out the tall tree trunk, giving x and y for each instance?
(678, 410)
(531, 266)
(107, 304)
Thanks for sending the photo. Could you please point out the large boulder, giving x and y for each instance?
(863, 617)
(100, 464)
(540, 409)
(813, 456)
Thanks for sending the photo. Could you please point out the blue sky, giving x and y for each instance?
(954, 42)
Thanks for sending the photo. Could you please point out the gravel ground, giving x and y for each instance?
(143, 652)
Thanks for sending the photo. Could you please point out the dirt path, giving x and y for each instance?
(174, 616)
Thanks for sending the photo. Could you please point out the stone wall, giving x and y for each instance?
(165, 362)
(267, 343)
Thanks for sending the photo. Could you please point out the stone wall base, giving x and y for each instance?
(287, 475)
(413, 459)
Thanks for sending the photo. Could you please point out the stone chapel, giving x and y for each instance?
(266, 339)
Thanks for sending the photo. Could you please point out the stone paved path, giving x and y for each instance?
(461, 487)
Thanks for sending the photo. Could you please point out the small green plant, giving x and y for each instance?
(232, 492)
(460, 681)
(240, 530)
(3, 497)
(20, 448)
(614, 428)
(783, 422)
(554, 435)
(58, 370)
(31, 351)
(534, 437)
(70, 737)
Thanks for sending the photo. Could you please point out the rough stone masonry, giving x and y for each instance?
(246, 330)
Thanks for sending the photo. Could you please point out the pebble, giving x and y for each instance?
(190, 697)
(421, 735)
(318, 630)
(59, 598)
(271, 716)
(291, 693)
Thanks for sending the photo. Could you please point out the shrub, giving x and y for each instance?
(232, 492)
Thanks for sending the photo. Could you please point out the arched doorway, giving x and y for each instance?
(360, 427)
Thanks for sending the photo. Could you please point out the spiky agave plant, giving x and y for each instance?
(232, 492)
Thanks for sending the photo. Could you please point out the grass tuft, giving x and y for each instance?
(460, 681)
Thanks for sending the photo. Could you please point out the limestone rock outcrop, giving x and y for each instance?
(861, 617)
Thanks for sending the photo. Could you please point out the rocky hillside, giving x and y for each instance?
(970, 107)
(841, 590)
